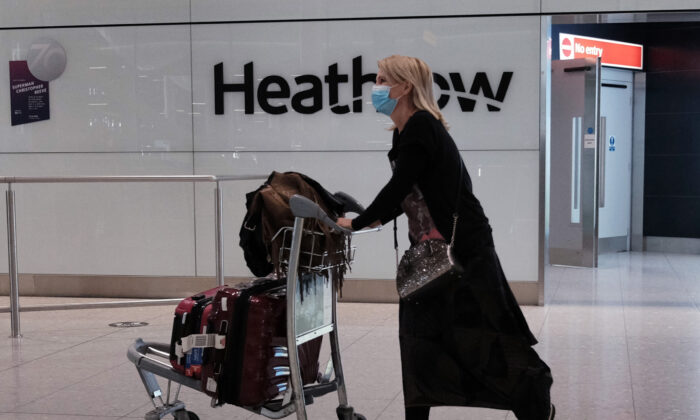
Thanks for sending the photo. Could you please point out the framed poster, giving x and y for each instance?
(29, 96)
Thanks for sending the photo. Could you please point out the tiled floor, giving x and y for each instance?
(623, 342)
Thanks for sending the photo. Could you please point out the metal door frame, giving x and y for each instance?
(588, 184)
(607, 246)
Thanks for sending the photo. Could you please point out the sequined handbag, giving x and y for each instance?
(425, 268)
(428, 266)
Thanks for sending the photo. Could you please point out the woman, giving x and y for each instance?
(469, 345)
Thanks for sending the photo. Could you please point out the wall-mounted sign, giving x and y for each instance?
(307, 95)
(611, 53)
(306, 91)
(29, 80)
(29, 96)
(46, 59)
(268, 90)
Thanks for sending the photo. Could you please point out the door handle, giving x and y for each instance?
(576, 69)
(576, 169)
(603, 154)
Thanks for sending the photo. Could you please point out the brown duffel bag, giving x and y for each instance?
(268, 212)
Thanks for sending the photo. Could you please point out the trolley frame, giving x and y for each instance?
(152, 359)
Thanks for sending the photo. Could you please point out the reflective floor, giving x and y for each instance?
(623, 342)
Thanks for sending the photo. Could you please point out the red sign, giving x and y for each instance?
(567, 49)
(611, 53)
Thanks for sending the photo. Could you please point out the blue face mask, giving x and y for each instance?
(381, 100)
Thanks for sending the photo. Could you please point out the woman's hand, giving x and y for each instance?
(344, 223)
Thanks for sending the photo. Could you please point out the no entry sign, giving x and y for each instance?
(611, 53)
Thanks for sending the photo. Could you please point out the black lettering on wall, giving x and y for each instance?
(442, 84)
(265, 94)
(359, 79)
(481, 83)
(314, 93)
(308, 98)
(220, 88)
(333, 78)
(466, 104)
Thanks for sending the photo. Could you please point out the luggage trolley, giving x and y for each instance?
(306, 320)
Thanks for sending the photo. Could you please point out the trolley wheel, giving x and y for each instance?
(348, 413)
(185, 415)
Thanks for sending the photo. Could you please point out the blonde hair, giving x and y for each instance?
(400, 69)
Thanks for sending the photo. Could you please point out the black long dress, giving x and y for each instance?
(470, 345)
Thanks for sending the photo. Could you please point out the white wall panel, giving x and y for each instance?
(218, 10)
(23, 13)
(461, 46)
(505, 182)
(558, 6)
(124, 89)
(127, 229)
(140, 77)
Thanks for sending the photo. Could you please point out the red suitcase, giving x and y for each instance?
(191, 317)
(254, 366)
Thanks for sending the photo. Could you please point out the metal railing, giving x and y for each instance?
(12, 232)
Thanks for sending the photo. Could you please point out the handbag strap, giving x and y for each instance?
(455, 216)
(396, 244)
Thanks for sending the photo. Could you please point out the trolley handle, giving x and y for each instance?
(303, 207)
(352, 205)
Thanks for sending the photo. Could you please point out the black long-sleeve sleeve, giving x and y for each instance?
(410, 163)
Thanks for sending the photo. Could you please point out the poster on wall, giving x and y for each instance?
(29, 96)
